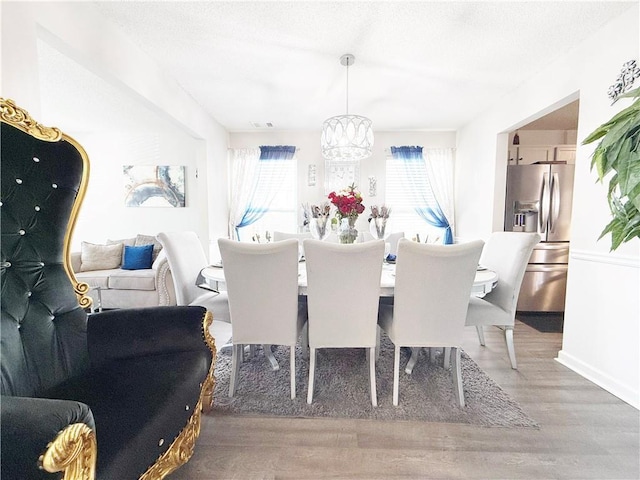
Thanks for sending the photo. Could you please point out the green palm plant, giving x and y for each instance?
(619, 152)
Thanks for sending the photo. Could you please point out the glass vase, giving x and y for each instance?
(378, 228)
(319, 227)
(347, 232)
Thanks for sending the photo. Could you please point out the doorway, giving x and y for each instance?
(541, 156)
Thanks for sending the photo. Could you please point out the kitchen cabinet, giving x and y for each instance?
(566, 153)
(529, 154)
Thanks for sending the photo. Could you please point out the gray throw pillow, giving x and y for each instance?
(149, 240)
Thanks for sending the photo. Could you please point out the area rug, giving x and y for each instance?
(342, 389)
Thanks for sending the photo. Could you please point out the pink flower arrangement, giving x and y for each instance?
(348, 202)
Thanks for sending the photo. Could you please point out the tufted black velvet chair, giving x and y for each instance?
(116, 395)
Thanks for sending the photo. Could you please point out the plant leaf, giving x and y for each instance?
(621, 129)
(603, 129)
(598, 161)
(628, 167)
(633, 93)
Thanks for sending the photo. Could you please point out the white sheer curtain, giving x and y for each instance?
(440, 167)
(243, 172)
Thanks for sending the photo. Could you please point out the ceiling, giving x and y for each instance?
(564, 118)
(419, 65)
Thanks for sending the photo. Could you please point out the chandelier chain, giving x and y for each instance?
(347, 87)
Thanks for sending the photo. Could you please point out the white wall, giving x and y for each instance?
(601, 334)
(309, 153)
(191, 138)
(104, 216)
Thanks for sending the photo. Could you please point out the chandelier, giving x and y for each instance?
(347, 137)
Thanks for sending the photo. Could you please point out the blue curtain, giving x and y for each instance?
(417, 182)
(267, 182)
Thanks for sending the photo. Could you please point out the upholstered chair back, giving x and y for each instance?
(43, 326)
(343, 288)
(507, 253)
(186, 258)
(433, 286)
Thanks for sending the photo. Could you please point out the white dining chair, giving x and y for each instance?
(433, 285)
(506, 253)
(186, 258)
(392, 240)
(262, 284)
(343, 288)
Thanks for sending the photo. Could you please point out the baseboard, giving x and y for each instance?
(612, 386)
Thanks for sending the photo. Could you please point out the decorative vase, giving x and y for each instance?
(378, 228)
(319, 227)
(347, 232)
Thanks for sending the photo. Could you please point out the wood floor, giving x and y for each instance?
(585, 433)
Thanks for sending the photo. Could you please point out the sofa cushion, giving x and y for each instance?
(133, 279)
(97, 278)
(100, 257)
(137, 258)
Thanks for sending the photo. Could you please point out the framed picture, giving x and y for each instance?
(340, 174)
(154, 186)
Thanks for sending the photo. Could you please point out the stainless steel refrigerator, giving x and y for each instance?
(539, 199)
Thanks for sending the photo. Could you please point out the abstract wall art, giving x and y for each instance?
(154, 186)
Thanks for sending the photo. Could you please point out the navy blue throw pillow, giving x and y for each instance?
(137, 258)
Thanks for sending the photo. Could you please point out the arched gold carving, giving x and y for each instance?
(74, 452)
(210, 382)
(20, 118)
(81, 289)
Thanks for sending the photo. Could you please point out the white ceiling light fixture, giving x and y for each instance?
(347, 137)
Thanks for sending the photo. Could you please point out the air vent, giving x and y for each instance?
(261, 124)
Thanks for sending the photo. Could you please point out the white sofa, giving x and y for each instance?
(119, 288)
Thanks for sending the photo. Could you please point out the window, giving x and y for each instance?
(282, 213)
(402, 202)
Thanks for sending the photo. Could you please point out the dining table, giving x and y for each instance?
(484, 281)
(213, 275)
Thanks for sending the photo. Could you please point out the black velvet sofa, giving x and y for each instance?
(116, 395)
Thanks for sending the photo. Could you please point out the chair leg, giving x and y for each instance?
(312, 373)
(415, 351)
(446, 361)
(378, 329)
(396, 375)
(508, 337)
(292, 366)
(305, 341)
(480, 334)
(457, 377)
(237, 353)
(272, 359)
(372, 375)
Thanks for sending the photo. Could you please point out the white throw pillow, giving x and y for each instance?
(100, 257)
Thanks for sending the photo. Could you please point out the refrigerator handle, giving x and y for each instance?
(544, 204)
(555, 202)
